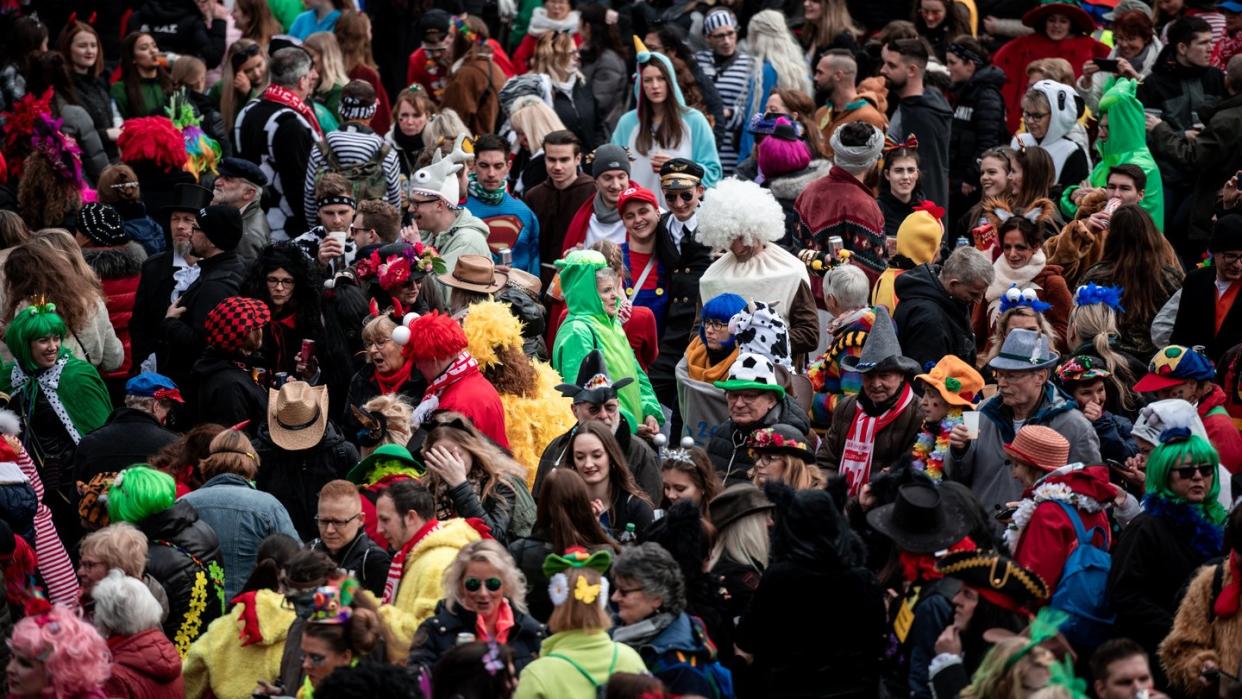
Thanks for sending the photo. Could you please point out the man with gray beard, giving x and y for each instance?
(595, 398)
(165, 276)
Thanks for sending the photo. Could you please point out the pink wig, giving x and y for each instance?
(75, 657)
(778, 156)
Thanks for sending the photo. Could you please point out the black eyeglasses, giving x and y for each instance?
(685, 195)
(325, 522)
(473, 584)
(1188, 472)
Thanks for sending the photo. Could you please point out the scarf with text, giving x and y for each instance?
(859, 448)
(285, 96)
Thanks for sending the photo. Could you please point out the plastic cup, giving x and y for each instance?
(970, 418)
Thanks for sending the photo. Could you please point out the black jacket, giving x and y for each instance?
(129, 437)
(1179, 91)
(178, 26)
(638, 456)
(183, 338)
(930, 323)
(227, 393)
(18, 504)
(929, 118)
(534, 318)
(438, 635)
(895, 210)
(578, 114)
(1195, 323)
(295, 477)
(978, 123)
(727, 448)
(362, 388)
(364, 559)
(155, 287)
(181, 547)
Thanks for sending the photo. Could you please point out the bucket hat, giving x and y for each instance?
(1040, 446)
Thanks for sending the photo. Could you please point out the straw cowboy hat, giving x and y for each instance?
(297, 415)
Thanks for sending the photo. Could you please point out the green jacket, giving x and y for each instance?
(467, 236)
(285, 11)
(1126, 143)
(73, 383)
(588, 327)
(593, 653)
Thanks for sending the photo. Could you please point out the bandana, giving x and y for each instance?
(857, 158)
(354, 110)
(491, 197)
(336, 200)
(860, 440)
(282, 95)
(966, 54)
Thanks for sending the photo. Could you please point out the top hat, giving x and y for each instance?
(922, 519)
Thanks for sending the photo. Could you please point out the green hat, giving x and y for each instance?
(385, 456)
(752, 371)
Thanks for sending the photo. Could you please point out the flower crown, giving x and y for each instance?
(331, 604)
(466, 32)
(1091, 294)
(1015, 297)
(768, 438)
(396, 269)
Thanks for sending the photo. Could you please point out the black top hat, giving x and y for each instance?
(189, 197)
(924, 519)
(594, 385)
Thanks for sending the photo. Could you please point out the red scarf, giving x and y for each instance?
(396, 569)
(859, 448)
(392, 382)
(464, 365)
(285, 96)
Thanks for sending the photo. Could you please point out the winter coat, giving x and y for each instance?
(639, 457)
(928, 117)
(184, 338)
(242, 518)
(1013, 58)
(683, 642)
(220, 666)
(476, 398)
(364, 559)
(227, 392)
(1152, 562)
(727, 448)
(533, 315)
(77, 123)
(141, 228)
(93, 96)
(295, 477)
(579, 113)
(145, 665)
(978, 124)
(184, 556)
(155, 288)
(1199, 634)
(930, 323)
(1048, 537)
(895, 212)
(892, 444)
(467, 236)
(178, 27)
(982, 464)
(130, 436)
(1101, 82)
(438, 635)
(473, 90)
(1196, 324)
(552, 677)
(1169, 89)
(119, 270)
(1208, 161)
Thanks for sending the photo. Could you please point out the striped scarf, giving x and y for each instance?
(396, 569)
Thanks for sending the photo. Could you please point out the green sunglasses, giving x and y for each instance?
(473, 584)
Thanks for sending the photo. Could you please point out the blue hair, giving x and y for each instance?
(722, 308)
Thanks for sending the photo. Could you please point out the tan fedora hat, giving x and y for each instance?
(297, 415)
(475, 273)
(523, 280)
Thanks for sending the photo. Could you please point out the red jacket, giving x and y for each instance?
(433, 76)
(119, 297)
(144, 666)
(476, 398)
(1220, 429)
(1015, 56)
(1049, 538)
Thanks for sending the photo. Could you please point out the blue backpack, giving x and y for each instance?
(1083, 590)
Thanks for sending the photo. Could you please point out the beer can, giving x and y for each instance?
(835, 244)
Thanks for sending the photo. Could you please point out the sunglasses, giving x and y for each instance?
(1188, 472)
(473, 584)
(683, 194)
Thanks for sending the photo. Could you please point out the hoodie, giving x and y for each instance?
(929, 118)
(1068, 157)
(978, 123)
(930, 323)
(467, 236)
(145, 665)
(1126, 143)
(220, 664)
(588, 327)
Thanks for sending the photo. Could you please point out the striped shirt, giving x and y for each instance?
(352, 145)
(732, 78)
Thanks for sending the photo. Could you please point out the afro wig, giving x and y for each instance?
(440, 337)
(737, 209)
(153, 139)
(139, 492)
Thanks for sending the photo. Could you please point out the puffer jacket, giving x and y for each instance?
(145, 665)
(978, 124)
(438, 634)
(184, 556)
(18, 502)
(727, 448)
(220, 666)
(119, 270)
(295, 477)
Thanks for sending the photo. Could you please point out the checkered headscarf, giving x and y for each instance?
(232, 319)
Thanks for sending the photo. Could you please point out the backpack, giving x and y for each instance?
(1083, 590)
(694, 672)
(368, 178)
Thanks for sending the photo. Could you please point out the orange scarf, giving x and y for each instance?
(697, 363)
(1224, 303)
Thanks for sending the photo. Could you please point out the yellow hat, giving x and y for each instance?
(956, 381)
(918, 237)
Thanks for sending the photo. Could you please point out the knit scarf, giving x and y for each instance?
(699, 365)
(604, 213)
(464, 365)
(860, 439)
(1048, 492)
(392, 381)
(284, 96)
(396, 569)
(491, 197)
(1005, 276)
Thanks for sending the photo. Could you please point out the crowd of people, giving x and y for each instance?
(577, 348)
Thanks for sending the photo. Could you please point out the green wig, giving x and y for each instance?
(33, 323)
(1171, 454)
(139, 492)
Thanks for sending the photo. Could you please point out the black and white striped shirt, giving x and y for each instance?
(732, 79)
(352, 145)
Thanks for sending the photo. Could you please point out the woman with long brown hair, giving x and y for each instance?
(353, 33)
(563, 519)
(473, 90)
(689, 475)
(615, 497)
(255, 21)
(828, 26)
(243, 78)
(556, 56)
(80, 45)
(1140, 261)
(145, 84)
(325, 52)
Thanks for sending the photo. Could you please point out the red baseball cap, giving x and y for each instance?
(636, 193)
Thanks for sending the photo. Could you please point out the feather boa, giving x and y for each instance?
(1048, 492)
(1187, 518)
(930, 450)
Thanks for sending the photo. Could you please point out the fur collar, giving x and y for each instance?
(1048, 492)
(791, 185)
(112, 263)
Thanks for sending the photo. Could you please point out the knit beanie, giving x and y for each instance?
(222, 225)
(139, 492)
(918, 237)
(1226, 234)
(609, 157)
(102, 224)
(778, 156)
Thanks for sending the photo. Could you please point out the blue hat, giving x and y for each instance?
(242, 169)
(149, 384)
(1233, 6)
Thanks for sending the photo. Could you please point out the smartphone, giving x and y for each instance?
(1106, 65)
(1004, 514)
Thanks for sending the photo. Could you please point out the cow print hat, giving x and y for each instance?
(762, 330)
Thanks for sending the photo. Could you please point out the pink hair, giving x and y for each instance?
(75, 656)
